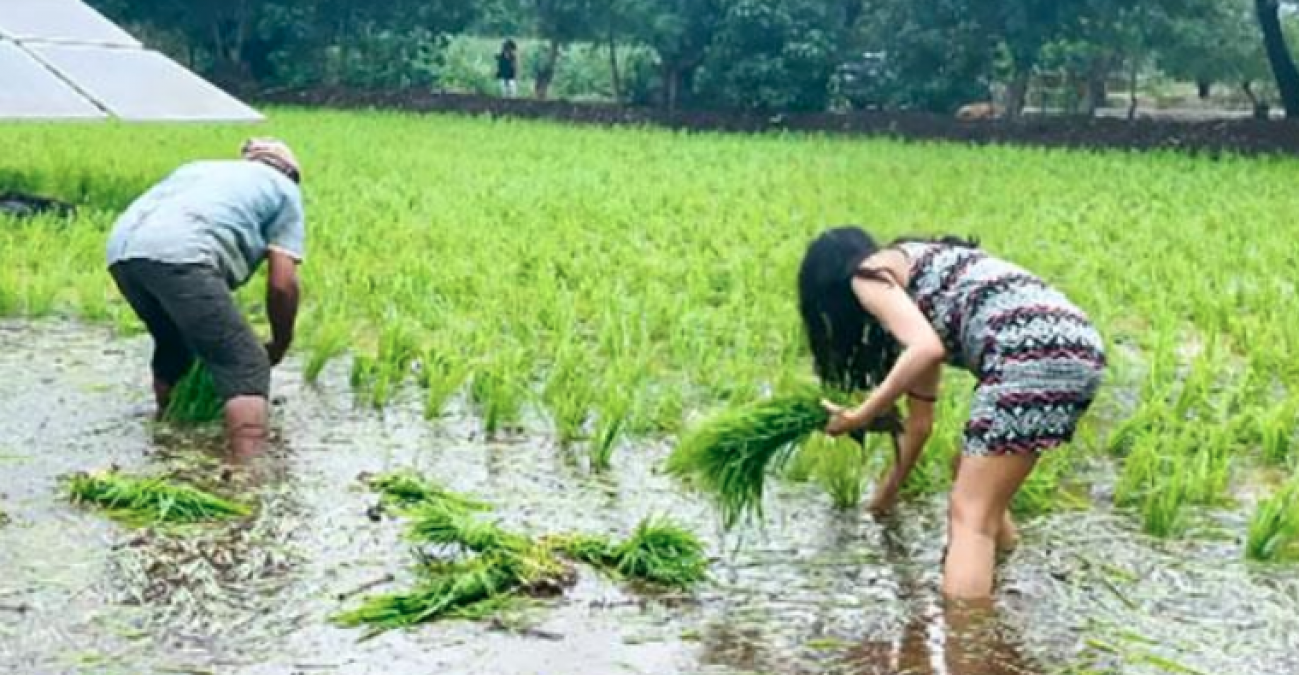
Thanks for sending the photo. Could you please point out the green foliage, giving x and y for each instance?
(775, 55)
(194, 399)
(140, 502)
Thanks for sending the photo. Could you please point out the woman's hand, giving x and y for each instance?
(843, 420)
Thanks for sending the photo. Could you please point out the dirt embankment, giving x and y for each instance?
(1251, 137)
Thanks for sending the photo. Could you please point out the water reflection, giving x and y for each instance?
(943, 637)
(950, 639)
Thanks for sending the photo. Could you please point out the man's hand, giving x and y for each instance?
(281, 303)
(276, 352)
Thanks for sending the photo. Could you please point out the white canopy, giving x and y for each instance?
(62, 60)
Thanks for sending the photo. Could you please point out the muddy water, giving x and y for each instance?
(813, 592)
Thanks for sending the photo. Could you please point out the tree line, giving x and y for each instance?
(754, 54)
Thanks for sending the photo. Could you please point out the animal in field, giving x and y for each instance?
(971, 112)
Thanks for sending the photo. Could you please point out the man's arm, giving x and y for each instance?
(281, 302)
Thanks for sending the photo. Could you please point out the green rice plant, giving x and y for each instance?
(730, 455)
(613, 419)
(1163, 508)
(442, 374)
(658, 552)
(840, 469)
(463, 590)
(408, 488)
(447, 524)
(1274, 529)
(329, 342)
(194, 399)
(498, 392)
(141, 502)
(1045, 491)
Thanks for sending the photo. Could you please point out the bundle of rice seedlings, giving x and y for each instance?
(148, 501)
(659, 552)
(443, 523)
(730, 455)
(194, 400)
(460, 591)
(407, 488)
(501, 565)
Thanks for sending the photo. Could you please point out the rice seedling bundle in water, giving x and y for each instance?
(407, 488)
(149, 501)
(659, 553)
(194, 399)
(494, 567)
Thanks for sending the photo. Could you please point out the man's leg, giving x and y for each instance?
(172, 358)
(203, 308)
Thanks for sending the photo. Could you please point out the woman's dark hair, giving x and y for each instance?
(850, 348)
(509, 46)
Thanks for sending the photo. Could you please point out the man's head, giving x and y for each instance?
(275, 154)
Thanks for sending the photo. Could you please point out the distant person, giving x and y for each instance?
(181, 249)
(507, 69)
(888, 318)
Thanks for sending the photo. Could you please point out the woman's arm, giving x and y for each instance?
(919, 426)
(922, 353)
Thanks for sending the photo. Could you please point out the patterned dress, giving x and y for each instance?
(1038, 359)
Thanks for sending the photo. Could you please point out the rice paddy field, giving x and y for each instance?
(532, 314)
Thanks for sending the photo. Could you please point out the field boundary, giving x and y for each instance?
(1245, 137)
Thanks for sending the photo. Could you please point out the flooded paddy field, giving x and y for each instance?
(813, 591)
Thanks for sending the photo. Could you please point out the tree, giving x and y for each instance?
(680, 32)
(560, 23)
(936, 54)
(1220, 45)
(776, 54)
(1278, 55)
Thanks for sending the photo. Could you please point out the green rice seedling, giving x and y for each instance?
(1045, 491)
(659, 553)
(841, 469)
(1274, 529)
(498, 392)
(149, 501)
(613, 419)
(1163, 509)
(407, 488)
(194, 399)
(457, 591)
(330, 342)
(449, 524)
(729, 455)
(442, 374)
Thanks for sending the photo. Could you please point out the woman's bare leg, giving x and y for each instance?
(976, 518)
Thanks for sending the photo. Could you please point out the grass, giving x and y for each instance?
(607, 283)
(194, 399)
(149, 501)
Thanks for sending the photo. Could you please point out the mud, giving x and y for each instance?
(812, 592)
(1237, 136)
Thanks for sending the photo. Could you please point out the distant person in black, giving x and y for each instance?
(507, 68)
